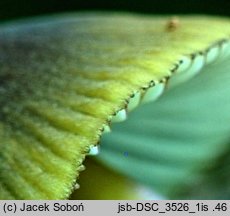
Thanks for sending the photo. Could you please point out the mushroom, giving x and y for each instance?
(66, 81)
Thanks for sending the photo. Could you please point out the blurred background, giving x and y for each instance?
(11, 9)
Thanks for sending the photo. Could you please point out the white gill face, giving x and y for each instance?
(94, 150)
(212, 54)
(153, 93)
(121, 115)
(194, 68)
(106, 129)
(134, 101)
(225, 50)
(188, 66)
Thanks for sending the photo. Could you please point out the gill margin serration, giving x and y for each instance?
(216, 52)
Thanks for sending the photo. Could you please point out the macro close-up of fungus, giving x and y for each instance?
(98, 105)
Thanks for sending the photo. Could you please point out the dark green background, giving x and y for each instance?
(11, 9)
